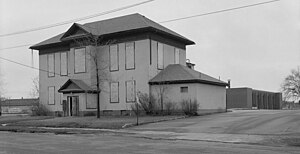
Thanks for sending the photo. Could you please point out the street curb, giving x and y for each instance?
(155, 121)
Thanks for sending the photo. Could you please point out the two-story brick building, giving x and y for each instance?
(133, 50)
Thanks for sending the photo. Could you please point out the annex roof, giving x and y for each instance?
(177, 73)
(132, 22)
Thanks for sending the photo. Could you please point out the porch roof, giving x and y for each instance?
(76, 86)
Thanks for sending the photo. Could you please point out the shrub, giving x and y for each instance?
(40, 110)
(134, 108)
(148, 103)
(189, 107)
(170, 108)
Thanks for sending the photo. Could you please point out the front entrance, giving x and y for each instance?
(73, 106)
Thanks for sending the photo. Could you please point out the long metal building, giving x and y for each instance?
(248, 98)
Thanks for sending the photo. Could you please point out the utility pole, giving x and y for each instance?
(137, 110)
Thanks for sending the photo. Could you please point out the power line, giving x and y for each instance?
(27, 65)
(219, 11)
(12, 47)
(75, 20)
(183, 18)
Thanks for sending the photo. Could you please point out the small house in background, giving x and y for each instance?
(18, 106)
(248, 98)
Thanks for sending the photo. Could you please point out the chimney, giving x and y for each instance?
(228, 83)
(189, 64)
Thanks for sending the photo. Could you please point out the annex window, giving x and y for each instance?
(160, 56)
(130, 91)
(184, 89)
(129, 55)
(51, 95)
(114, 92)
(79, 60)
(51, 68)
(176, 60)
(63, 63)
(113, 58)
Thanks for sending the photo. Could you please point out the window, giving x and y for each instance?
(51, 68)
(79, 60)
(63, 63)
(129, 55)
(51, 95)
(176, 60)
(113, 58)
(160, 56)
(184, 89)
(91, 101)
(114, 92)
(130, 91)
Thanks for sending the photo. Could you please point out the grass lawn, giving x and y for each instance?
(19, 118)
(105, 122)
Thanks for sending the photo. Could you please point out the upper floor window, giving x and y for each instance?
(113, 58)
(63, 63)
(129, 55)
(80, 60)
(176, 60)
(160, 56)
(51, 68)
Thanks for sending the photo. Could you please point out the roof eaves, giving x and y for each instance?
(187, 81)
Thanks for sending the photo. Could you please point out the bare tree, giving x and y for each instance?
(34, 92)
(100, 63)
(1, 85)
(1, 91)
(161, 91)
(291, 85)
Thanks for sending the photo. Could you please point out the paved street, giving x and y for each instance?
(235, 132)
(257, 126)
(237, 122)
(24, 143)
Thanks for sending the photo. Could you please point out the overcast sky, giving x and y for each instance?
(254, 47)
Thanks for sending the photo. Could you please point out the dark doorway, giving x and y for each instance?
(73, 102)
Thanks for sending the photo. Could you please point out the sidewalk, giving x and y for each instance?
(47, 124)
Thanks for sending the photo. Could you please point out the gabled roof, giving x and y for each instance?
(133, 22)
(75, 86)
(176, 73)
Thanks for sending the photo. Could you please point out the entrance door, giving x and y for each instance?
(73, 105)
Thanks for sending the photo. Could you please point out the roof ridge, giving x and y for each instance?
(112, 18)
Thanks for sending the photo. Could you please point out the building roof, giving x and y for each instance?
(20, 102)
(176, 73)
(73, 85)
(132, 22)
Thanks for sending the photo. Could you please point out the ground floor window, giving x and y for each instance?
(130, 91)
(114, 92)
(51, 95)
(91, 101)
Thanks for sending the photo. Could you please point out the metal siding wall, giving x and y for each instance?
(237, 98)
